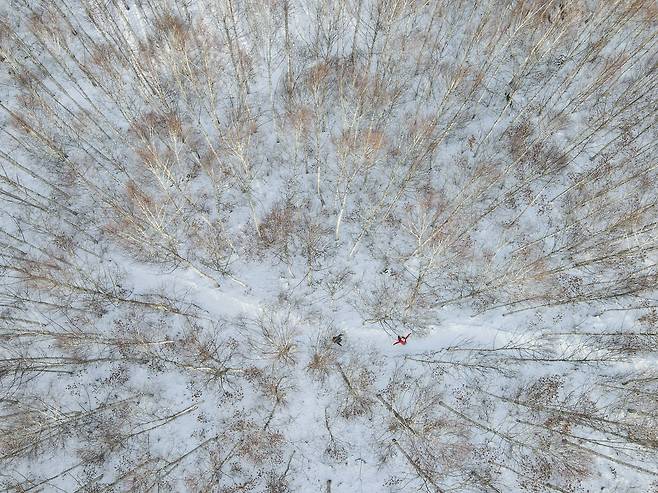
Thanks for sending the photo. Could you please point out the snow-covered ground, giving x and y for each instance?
(196, 198)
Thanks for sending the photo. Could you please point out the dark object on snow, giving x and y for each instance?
(402, 340)
(338, 339)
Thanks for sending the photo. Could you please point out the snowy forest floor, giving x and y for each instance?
(197, 197)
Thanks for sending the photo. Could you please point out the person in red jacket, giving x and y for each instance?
(402, 340)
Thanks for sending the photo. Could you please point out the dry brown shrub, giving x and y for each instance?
(365, 144)
(255, 444)
(102, 56)
(322, 362)
(138, 197)
(301, 118)
(359, 380)
(278, 225)
(518, 139)
(272, 336)
(174, 27)
(317, 76)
